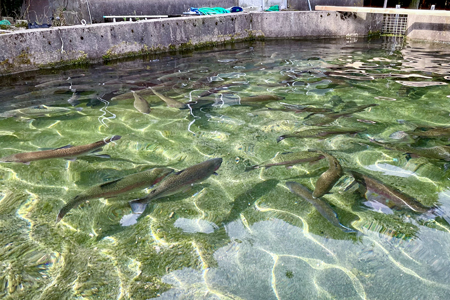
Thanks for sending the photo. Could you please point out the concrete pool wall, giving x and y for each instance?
(45, 48)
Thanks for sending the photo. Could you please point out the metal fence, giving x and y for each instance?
(394, 25)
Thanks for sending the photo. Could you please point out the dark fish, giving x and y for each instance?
(436, 152)
(393, 196)
(112, 188)
(328, 118)
(260, 98)
(140, 104)
(67, 152)
(178, 182)
(322, 207)
(431, 133)
(320, 133)
(329, 178)
(288, 160)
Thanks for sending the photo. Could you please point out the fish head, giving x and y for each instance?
(8, 159)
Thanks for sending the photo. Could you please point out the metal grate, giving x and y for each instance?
(394, 25)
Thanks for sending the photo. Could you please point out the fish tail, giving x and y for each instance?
(440, 212)
(138, 206)
(115, 138)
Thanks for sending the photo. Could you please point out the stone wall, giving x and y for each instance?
(40, 48)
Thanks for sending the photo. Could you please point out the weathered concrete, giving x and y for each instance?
(428, 28)
(43, 10)
(315, 23)
(303, 4)
(33, 49)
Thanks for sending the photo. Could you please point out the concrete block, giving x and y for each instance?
(11, 20)
(71, 18)
(21, 23)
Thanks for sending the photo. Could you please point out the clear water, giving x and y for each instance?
(238, 235)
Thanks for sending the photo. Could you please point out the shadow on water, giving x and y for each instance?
(113, 229)
(248, 198)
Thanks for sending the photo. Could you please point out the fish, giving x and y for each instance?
(288, 159)
(302, 108)
(431, 133)
(169, 101)
(68, 152)
(178, 182)
(436, 152)
(324, 119)
(322, 207)
(37, 111)
(140, 104)
(392, 195)
(319, 133)
(115, 187)
(328, 178)
(130, 95)
(260, 98)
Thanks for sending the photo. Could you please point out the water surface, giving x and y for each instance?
(238, 235)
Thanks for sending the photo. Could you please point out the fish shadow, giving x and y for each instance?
(248, 198)
(114, 229)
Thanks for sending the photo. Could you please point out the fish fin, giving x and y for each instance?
(251, 168)
(115, 138)
(64, 147)
(347, 229)
(280, 138)
(97, 150)
(215, 173)
(311, 114)
(71, 158)
(102, 186)
(179, 172)
(138, 206)
(103, 155)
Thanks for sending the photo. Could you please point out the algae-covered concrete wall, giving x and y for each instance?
(34, 49)
(428, 28)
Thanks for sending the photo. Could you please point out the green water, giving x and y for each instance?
(238, 235)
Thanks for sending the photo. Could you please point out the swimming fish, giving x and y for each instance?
(328, 178)
(436, 152)
(288, 159)
(319, 133)
(119, 186)
(37, 111)
(140, 104)
(68, 152)
(169, 101)
(324, 119)
(431, 133)
(260, 98)
(392, 195)
(322, 207)
(178, 182)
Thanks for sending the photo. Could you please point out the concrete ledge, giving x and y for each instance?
(429, 28)
(44, 48)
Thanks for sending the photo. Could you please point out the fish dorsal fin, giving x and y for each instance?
(64, 147)
(109, 183)
(179, 172)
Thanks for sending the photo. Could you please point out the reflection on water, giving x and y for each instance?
(378, 109)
